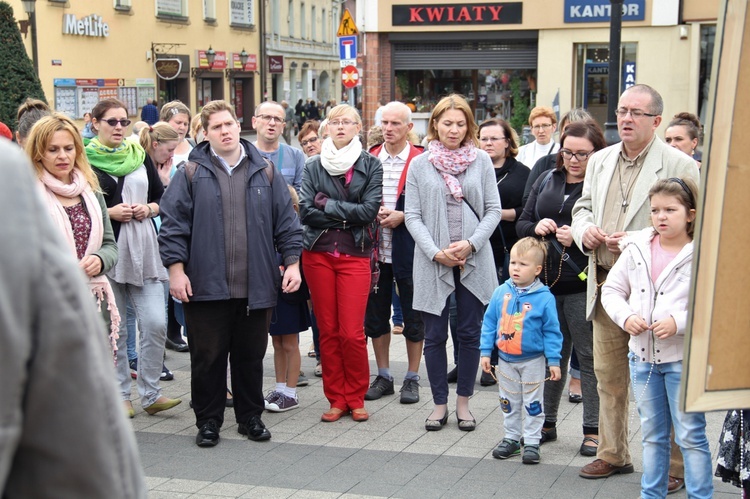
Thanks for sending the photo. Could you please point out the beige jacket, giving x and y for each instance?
(63, 432)
(661, 161)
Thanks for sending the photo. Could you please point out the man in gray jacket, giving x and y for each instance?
(615, 201)
(63, 432)
(224, 217)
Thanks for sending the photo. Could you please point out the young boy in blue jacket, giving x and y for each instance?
(522, 319)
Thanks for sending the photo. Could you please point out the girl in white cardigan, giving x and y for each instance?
(646, 294)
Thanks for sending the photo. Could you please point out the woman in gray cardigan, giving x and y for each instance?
(452, 208)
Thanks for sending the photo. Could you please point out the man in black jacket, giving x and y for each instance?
(224, 216)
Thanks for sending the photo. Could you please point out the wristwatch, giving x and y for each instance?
(152, 213)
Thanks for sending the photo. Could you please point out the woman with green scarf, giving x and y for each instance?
(132, 191)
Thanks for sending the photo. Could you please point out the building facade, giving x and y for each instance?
(135, 50)
(300, 37)
(555, 51)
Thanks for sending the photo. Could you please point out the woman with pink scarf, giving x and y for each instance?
(452, 207)
(76, 205)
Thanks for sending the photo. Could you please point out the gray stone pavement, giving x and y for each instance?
(391, 455)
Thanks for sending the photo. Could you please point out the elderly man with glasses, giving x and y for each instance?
(269, 124)
(614, 202)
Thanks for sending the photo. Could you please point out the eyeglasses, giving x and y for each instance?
(311, 140)
(635, 113)
(341, 123)
(491, 139)
(580, 156)
(540, 127)
(269, 118)
(113, 122)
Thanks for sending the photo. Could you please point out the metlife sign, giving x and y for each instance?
(597, 11)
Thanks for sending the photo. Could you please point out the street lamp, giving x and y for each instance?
(210, 59)
(613, 91)
(30, 7)
(243, 57)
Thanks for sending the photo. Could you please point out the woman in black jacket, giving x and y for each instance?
(339, 201)
(548, 215)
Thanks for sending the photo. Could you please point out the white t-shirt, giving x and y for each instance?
(531, 153)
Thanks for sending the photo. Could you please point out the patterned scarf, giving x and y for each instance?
(118, 162)
(451, 162)
(99, 285)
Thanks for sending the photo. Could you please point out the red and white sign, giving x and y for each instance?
(250, 65)
(220, 60)
(350, 76)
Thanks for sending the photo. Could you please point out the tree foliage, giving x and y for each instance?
(18, 81)
(520, 116)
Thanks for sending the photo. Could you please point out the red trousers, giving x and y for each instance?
(339, 288)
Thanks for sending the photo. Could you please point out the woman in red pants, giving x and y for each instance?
(339, 200)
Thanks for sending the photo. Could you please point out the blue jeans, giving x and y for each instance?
(132, 331)
(657, 389)
(398, 316)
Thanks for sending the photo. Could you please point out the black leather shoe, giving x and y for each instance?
(453, 375)
(254, 429)
(488, 379)
(177, 346)
(208, 435)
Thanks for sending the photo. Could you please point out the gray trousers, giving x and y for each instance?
(517, 398)
(576, 331)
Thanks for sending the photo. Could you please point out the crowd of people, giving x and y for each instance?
(530, 257)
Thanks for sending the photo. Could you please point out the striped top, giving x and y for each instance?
(392, 168)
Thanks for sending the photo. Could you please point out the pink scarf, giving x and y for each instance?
(451, 162)
(99, 285)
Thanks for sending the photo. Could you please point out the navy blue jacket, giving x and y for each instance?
(192, 230)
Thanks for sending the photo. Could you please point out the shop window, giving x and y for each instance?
(172, 9)
(275, 16)
(323, 21)
(313, 25)
(708, 38)
(241, 13)
(488, 91)
(290, 18)
(209, 11)
(592, 76)
(123, 5)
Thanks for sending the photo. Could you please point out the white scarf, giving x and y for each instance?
(339, 161)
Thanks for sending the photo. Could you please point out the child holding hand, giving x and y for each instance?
(522, 320)
(646, 294)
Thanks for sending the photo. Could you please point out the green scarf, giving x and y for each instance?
(118, 162)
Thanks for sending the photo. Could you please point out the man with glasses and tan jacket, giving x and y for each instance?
(614, 202)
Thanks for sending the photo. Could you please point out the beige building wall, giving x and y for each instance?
(663, 60)
(126, 53)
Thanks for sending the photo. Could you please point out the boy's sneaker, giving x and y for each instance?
(271, 397)
(507, 448)
(302, 379)
(530, 454)
(283, 403)
(133, 368)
